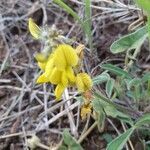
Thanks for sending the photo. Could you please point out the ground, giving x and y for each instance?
(26, 107)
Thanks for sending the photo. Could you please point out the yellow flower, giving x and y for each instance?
(64, 56)
(85, 110)
(34, 29)
(83, 82)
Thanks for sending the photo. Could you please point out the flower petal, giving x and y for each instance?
(59, 91)
(55, 76)
(70, 74)
(87, 81)
(64, 79)
(42, 79)
(85, 110)
(42, 65)
(40, 57)
(49, 67)
(83, 82)
(79, 83)
(34, 29)
(79, 51)
(65, 56)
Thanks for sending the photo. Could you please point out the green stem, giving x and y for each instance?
(87, 132)
(118, 107)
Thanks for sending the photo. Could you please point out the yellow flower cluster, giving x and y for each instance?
(86, 108)
(60, 67)
(58, 70)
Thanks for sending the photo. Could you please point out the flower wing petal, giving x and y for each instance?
(42, 65)
(64, 79)
(79, 83)
(70, 74)
(59, 91)
(65, 56)
(59, 60)
(34, 29)
(70, 55)
(87, 81)
(49, 67)
(55, 76)
(42, 79)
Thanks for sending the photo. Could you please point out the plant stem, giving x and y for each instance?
(87, 132)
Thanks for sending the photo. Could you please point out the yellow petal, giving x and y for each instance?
(59, 91)
(64, 79)
(79, 51)
(42, 65)
(70, 74)
(49, 67)
(40, 57)
(34, 29)
(85, 110)
(83, 82)
(79, 83)
(42, 79)
(87, 81)
(65, 56)
(55, 76)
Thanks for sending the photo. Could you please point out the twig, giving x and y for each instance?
(87, 132)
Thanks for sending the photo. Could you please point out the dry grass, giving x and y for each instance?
(27, 108)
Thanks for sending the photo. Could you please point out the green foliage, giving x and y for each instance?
(116, 70)
(144, 4)
(100, 113)
(145, 119)
(109, 87)
(100, 105)
(107, 137)
(118, 83)
(130, 41)
(85, 23)
(103, 77)
(118, 143)
(69, 142)
(68, 9)
(125, 84)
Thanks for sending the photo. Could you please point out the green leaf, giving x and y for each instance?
(110, 110)
(97, 105)
(100, 113)
(144, 4)
(116, 70)
(109, 87)
(71, 141)
(130, 41)
(87, 24)
(145, 119)
(101, 78)
(133, 83)
(62, 147)
(119, 142)
(68, 9)
(146, 77)
(108, 138)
